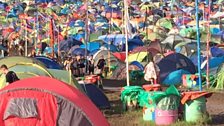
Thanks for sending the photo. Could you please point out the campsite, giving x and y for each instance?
(111, 62)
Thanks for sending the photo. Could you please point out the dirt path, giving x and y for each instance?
(215, 107)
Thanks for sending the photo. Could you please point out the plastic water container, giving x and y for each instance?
(166, 112)
(195, 109)
(166, 117)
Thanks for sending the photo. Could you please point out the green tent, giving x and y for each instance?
(65, 76)
(13, 60)
(25, 70)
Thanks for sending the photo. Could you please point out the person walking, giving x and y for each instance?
(91, 65)
(9, 75)
(100, 65)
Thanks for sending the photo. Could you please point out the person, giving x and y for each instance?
(100, 65)
(67, 63)
(151, 72)
(91, 65)
(9, 75)
(74, 66)
(33, 53)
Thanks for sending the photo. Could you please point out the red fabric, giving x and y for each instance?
(47, 109)
(67, 91)
(120, 55)
(186, 96)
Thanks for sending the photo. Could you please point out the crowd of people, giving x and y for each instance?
(81, 66)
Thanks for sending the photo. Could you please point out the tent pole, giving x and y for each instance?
(26, 48)
(126, 39)
(208, 48)
(86, 33)
(198, 44)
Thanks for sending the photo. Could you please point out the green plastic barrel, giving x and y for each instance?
(195, 109)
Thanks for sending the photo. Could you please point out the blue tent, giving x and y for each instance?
(79, 51)
(91, 46)
(66, 45)
(49, 63)
(96, 95)
(139, 65)
(112, 48)
(175, 78)
(115, 39)
(175, 62)
(217, 52)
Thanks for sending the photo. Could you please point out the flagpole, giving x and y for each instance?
(126, 40)
(26, 44)
(198, 45)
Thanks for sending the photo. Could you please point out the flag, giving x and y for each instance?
(51, 31)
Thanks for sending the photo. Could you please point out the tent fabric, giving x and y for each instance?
(175, 62)
(66, 77)
(91, 46)
(49, 63)
(137, 56)
(175, 78)
(139, 65)
(58, 104)
(24, 71)
(107, 55)
(149, 49)
(13, 60)
(96, 96)
(217, 52)
(120, 55)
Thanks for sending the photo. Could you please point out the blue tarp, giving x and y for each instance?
(96, 95)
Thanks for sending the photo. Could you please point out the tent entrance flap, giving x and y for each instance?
(22, 108)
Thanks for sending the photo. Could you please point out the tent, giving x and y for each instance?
(139, 65)
(96, 96)
(140, 56)
(120, 55)
(28, 70)
(175, 62)
(25, 70)
(65, 76)
(13, 60)
(107, 55)
(47, 102)
(49, 63)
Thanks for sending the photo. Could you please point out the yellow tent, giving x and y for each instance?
(137, 57)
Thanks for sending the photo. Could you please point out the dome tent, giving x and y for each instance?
(49, 63)
(49, 102)
(175, 62)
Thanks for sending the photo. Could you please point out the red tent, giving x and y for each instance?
(43, 101)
